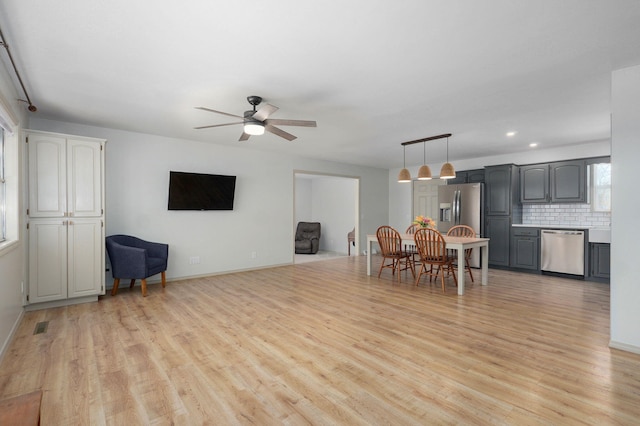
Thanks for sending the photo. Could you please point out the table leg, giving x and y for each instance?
(461, 263)
(369, 245)
(485, 264)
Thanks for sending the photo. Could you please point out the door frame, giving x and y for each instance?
(356, 201)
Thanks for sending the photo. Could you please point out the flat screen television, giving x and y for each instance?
(199, 191)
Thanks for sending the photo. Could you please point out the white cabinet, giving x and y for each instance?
(66, 217)
(65, 176)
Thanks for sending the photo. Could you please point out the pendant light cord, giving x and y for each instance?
(447, 150)
(404, 157)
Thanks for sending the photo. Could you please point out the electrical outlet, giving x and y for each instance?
(194, 260)
(254, 254)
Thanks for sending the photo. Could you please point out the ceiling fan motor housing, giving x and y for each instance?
(254, 100)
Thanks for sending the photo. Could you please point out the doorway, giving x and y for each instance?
(331, 200)
(425, 197)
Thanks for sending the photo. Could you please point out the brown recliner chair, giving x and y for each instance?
(307, 237)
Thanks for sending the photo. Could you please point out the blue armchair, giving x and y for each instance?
(134, 258)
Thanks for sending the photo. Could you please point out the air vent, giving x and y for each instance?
(41, 327)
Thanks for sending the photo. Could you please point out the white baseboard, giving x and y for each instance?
(9, 338)
(624, 347)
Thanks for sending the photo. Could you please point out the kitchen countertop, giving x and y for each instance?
(556, 226)
(597, 234)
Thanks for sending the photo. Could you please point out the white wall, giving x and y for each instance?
(625, 153)
(262, 220)
(400, 196)
(12, 254)
(334, 208)
(304, 196)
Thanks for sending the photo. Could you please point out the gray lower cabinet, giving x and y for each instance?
(600, 260)
(525, 248)
(498, 230)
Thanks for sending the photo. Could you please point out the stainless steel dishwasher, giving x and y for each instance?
(563, 251)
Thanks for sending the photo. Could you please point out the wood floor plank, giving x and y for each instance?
(323, 343)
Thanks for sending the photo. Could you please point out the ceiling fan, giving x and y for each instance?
(257, 121)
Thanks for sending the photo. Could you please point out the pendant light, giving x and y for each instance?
(424, 172)
(404, 175)
(447, 171)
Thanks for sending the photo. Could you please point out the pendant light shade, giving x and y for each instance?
(424, 172)
(404, 175)
(447, 171)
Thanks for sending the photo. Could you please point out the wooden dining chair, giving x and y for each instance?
(466, 232)
(433, 256)
(410, 248)
(393, 254)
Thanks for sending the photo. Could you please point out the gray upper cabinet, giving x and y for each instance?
(568, 182)
(560, 182)
(501, 189)
(534, 183)
(467, 176)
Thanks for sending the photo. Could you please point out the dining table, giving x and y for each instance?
(454, 243)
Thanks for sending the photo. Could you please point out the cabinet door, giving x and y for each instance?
(568, 182)
(498, 231)
(524, 252)
(47, 176)
(84, 178)
(85, 257)
(461, 177)
(600, 260)
(475, 176)
(534, 183)
(47, 260)
(498, 190)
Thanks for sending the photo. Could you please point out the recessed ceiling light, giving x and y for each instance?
(533, 144)
(511, 134)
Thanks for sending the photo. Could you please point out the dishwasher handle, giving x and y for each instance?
(558, 231)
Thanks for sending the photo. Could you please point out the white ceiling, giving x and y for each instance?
(372, 73)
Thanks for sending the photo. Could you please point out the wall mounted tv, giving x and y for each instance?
(199, 191)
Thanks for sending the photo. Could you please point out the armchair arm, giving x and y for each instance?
(157, 249)
(127, 262)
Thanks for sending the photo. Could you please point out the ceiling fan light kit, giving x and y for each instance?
(256, 122)
(424, 173)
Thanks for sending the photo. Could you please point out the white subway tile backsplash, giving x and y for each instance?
(563, 214)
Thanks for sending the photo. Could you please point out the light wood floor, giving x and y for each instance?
(322, 343)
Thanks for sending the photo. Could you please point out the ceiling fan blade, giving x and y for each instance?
(219, 112)
(219, 125)
(279, 132)
(244, 136)
(265, 111)
(281, 122)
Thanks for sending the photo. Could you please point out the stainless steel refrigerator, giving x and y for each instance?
(462, 204)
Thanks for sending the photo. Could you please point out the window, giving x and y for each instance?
(601, 187)
(3, 196)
